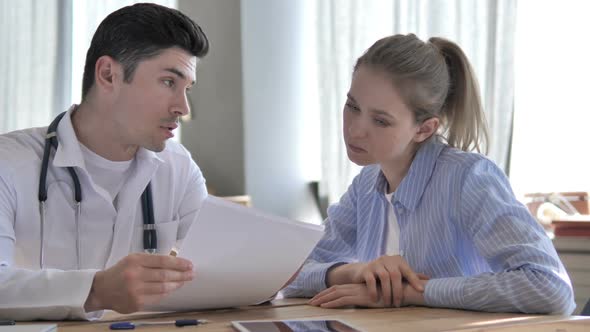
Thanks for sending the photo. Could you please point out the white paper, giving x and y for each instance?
(241, 256)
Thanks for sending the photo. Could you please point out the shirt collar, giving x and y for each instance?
(410, 190)
(69, 154)
(147, 155)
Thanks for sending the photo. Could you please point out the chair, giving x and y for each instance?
(242, 199)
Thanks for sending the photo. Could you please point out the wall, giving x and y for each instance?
(215, 135)
(277, 126)
(251, 129)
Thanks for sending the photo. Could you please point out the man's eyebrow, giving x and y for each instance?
(178, 73)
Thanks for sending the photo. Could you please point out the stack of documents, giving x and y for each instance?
(241, 256)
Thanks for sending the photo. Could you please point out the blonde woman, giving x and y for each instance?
(426, 222)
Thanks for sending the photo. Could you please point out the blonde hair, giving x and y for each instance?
(435, 79)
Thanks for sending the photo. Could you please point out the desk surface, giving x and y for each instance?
(389, 319)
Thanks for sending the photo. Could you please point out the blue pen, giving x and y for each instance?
(178, 323)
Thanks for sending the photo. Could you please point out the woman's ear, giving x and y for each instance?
(426, 129)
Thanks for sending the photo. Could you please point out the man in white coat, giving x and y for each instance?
(76, 256)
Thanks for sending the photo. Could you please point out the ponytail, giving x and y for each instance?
(464, 120)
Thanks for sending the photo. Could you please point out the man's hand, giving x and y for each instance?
(136, 281)
(359, 295)
(388, 270)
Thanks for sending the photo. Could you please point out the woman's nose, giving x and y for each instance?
(356, 129)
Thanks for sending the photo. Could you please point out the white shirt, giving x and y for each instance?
(392, 244)
(59, 291)
(109, 176)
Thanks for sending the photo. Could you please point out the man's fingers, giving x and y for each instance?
(411, 277)
(162, 275)
(159, 288)
(162, 262)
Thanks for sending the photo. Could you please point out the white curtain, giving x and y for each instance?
(44, 46)
(483, 29)
(87, 16)
(29, 63)
(345, 29)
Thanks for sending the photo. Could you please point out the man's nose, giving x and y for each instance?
(182, 107)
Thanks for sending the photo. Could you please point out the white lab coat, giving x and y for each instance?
(59, 290)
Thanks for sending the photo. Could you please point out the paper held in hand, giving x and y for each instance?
(241, 256)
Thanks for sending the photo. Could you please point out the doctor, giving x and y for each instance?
(80, 236)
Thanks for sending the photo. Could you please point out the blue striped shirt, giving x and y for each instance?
(460, 224)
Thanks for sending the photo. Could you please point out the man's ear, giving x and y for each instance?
(107, 72)
(426, 129)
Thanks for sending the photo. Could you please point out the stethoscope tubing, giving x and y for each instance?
(149, 230)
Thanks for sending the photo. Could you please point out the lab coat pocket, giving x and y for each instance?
(166, 233)
(60, 249)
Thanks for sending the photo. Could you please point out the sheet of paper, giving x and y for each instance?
(241, 256)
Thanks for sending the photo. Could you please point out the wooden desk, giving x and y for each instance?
(390, 319)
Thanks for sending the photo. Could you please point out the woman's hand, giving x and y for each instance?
(359, 295)
(345, 295)
(388, 270)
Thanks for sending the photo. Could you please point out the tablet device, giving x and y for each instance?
(296, 325)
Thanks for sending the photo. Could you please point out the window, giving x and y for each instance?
(552, 117)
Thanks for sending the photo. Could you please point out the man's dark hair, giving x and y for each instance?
(139, 32)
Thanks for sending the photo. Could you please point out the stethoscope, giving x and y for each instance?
(149, 229)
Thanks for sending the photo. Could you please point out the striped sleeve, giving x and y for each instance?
(337, 246)
(527, 273)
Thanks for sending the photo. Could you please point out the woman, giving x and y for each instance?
(426, 222)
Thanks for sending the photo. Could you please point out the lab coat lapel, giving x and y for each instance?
(68, 153)
(130, 215)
